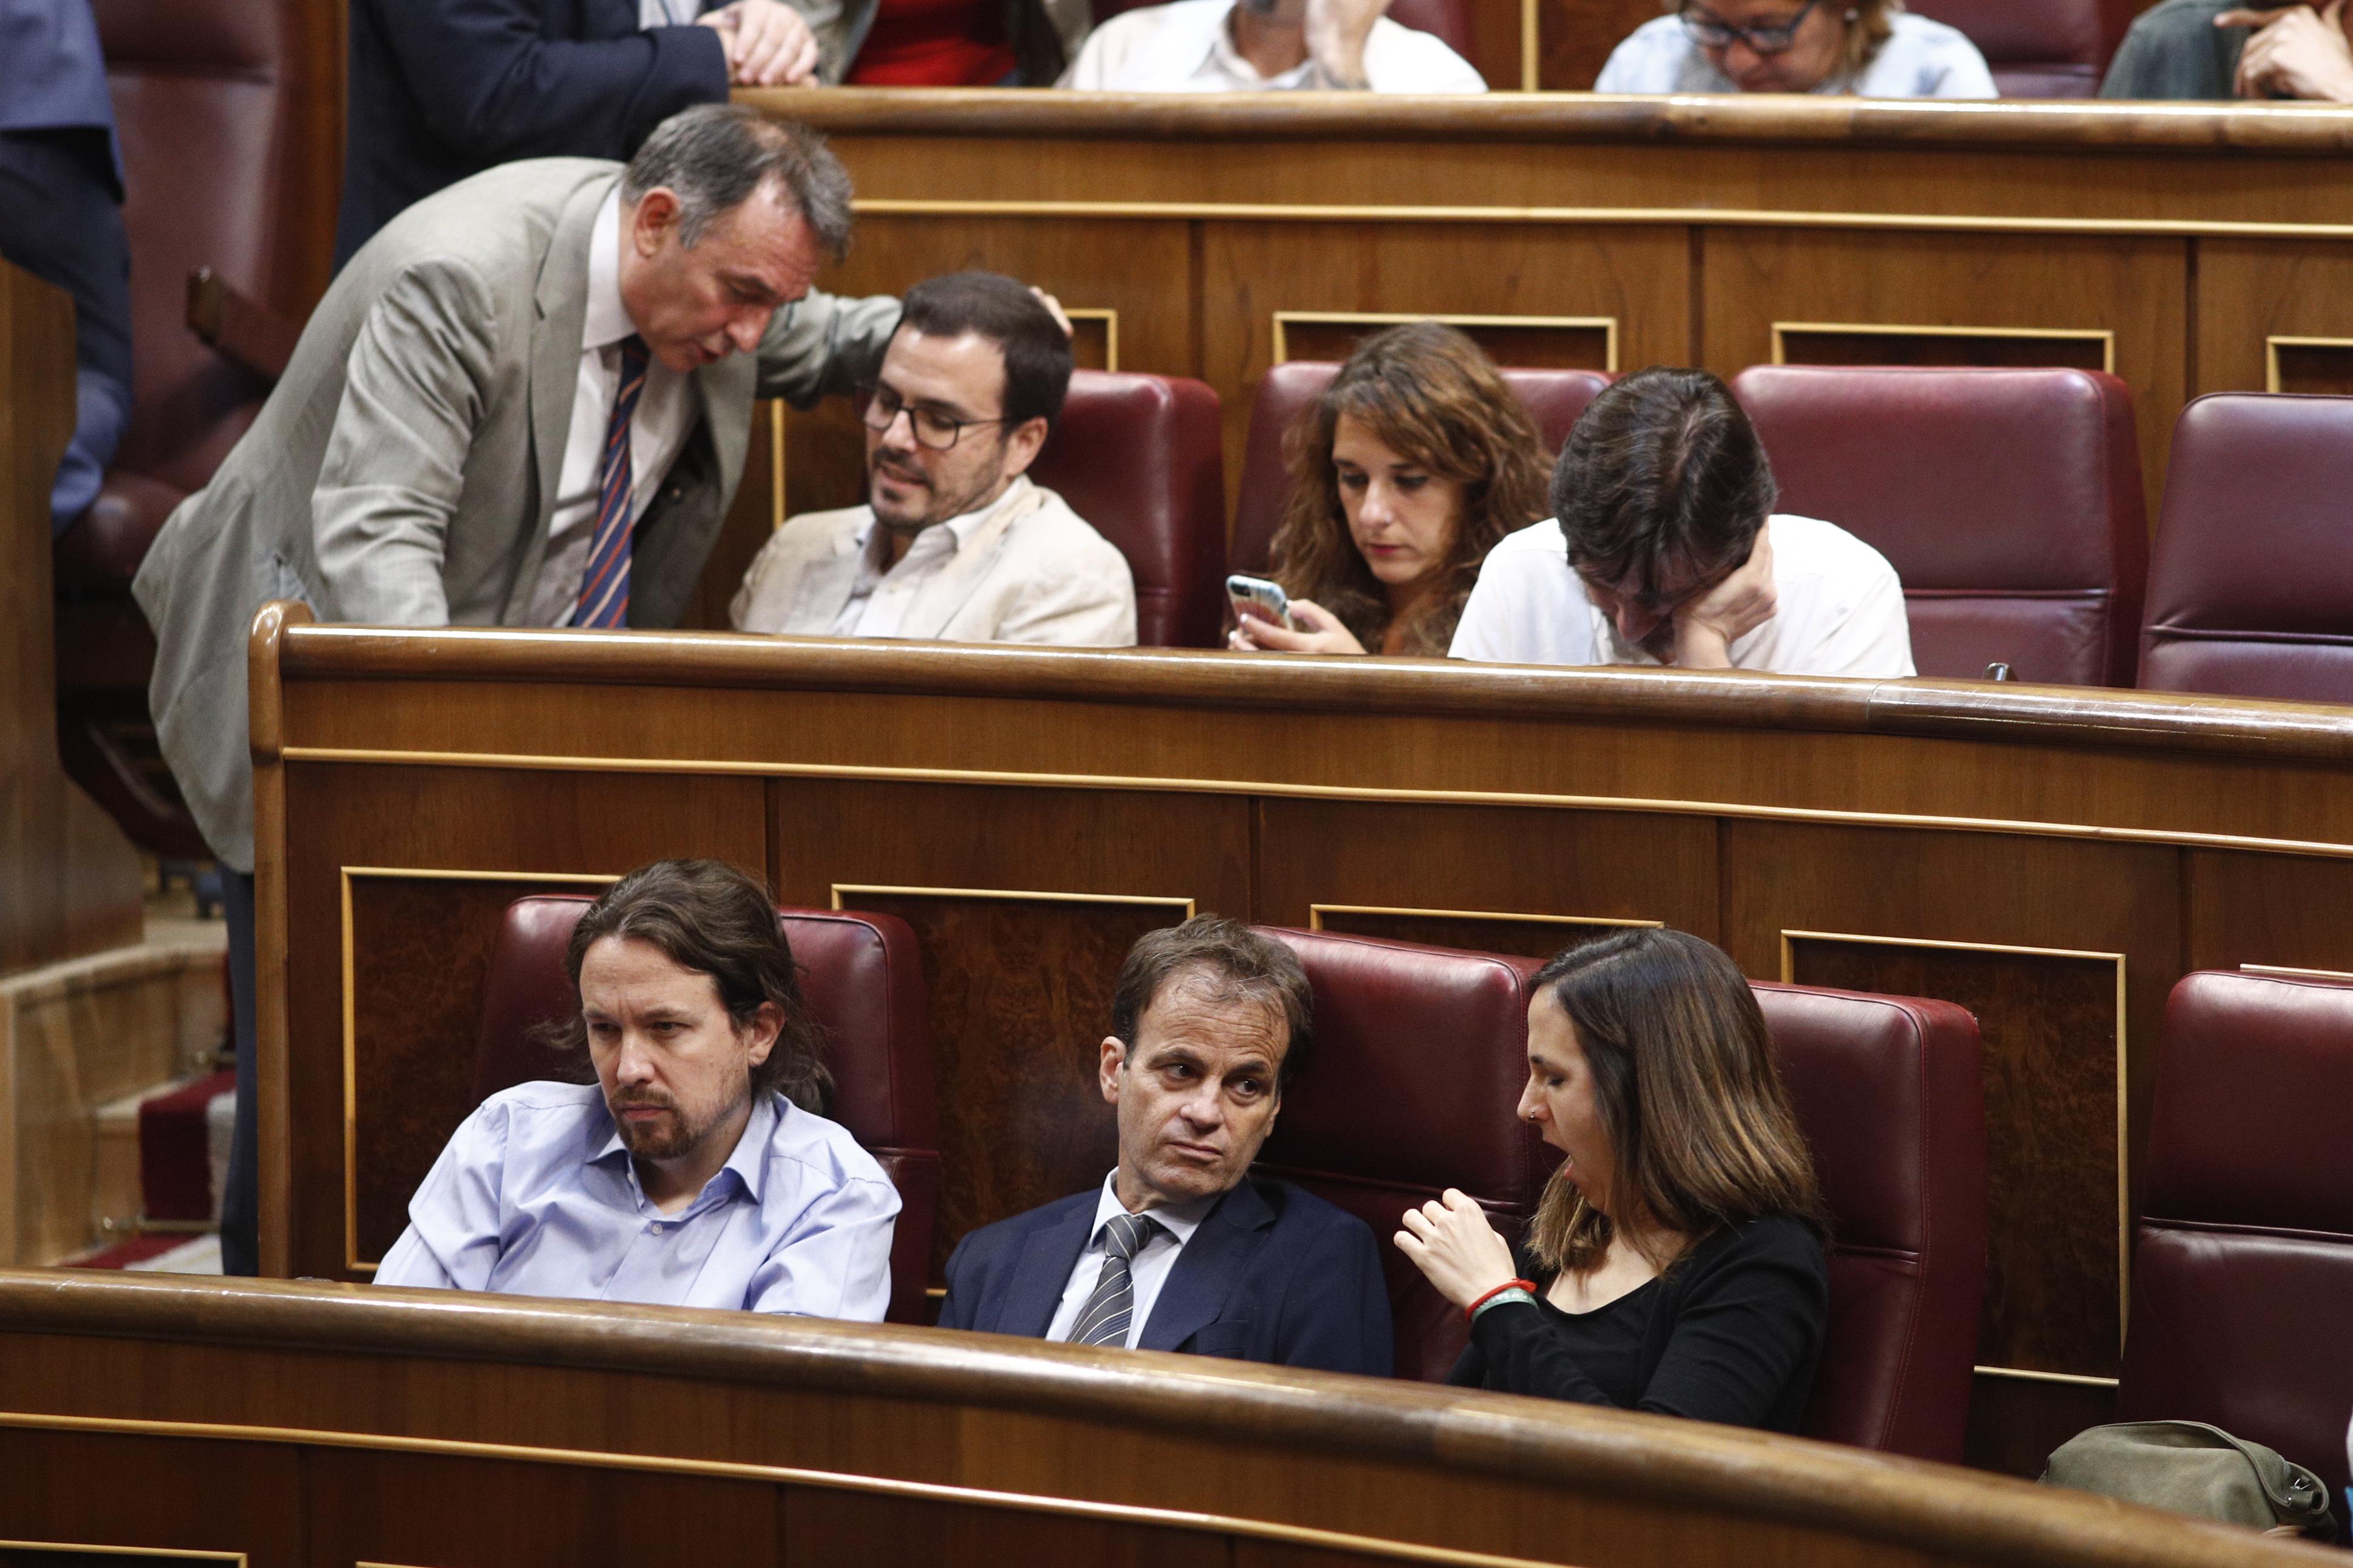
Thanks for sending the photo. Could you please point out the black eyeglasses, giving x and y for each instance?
(1713, 33)
(880, 408)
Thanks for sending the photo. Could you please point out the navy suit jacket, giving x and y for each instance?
(1275, 1274)
(444, 88)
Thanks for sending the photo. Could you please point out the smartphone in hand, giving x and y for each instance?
(1260, 598)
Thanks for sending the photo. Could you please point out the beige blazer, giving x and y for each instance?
(1034, 572)
(404, 471)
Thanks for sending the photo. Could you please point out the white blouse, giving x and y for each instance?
(1920, 60)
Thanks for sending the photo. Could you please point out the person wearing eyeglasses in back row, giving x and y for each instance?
(1870, 48)
(956, 543)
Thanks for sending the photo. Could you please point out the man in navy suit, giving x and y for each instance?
(440, 89)
(1180, 1249)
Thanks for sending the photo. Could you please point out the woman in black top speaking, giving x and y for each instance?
(1676, 1263)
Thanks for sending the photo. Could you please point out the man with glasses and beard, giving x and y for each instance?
(1664, 549)
(956, 543)
(696, 1170)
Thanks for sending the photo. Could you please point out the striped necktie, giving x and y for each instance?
(1104, 1319)
(604, 584)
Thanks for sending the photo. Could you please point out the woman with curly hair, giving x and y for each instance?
(1407, 470)
(1871, 49)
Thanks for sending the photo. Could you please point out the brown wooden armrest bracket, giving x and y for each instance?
(247, 331)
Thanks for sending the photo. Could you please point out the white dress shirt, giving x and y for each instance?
(1840, 608)
(1921, 59)
(667, 13)
(1147, 1271)
(1188, 47)
(665, 416)
(878, 598)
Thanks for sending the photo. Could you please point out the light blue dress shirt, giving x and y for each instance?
(537, 1195)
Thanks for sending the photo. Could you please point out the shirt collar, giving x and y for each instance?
(1179, 1220)
(607, 321)
(874, 542)
(1220, 48)
(749, 1161)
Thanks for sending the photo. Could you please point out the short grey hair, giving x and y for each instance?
(714, 156)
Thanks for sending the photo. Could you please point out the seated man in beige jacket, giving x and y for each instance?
(956, 543)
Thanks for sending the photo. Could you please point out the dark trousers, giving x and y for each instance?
(240, 1205)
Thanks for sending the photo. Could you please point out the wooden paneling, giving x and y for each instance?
(2251, 292)
(2256, 908)
(1576, 37)
(2133, 288)
(323, 1426)
(68, 881)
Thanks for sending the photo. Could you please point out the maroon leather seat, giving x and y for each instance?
(2009, 501)
(1556, 399)
(2037, 49)
(864, 985)
(1889, 1092)
(1376, 1126)
(1450, 19)
(1141, 458)
(2250, 584)
(2242, 1263)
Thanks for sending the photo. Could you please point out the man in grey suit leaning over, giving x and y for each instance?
(525, 402)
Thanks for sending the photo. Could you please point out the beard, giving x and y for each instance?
(673, 1135)
(937, 503)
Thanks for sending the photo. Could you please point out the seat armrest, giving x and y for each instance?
(239, 326)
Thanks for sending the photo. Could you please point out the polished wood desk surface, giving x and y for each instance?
(259, 1416)
(2186, 248)
(2051, 858)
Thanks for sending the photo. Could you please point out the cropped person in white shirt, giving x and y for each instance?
(1264, 45)
(1665, 549)
(1870, 48)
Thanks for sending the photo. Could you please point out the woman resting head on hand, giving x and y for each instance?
(1404, 474)
(1676, 1263)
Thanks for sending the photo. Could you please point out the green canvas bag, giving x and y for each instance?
(2191, 1468)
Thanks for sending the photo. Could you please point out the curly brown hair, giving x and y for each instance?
(1430, 394)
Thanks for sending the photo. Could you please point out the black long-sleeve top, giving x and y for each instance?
(1730, 1334)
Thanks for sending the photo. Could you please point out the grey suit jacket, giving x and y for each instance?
(404, 471)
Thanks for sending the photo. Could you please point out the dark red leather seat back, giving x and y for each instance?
(2244, 1263)
(1450, 19)
(863, 983)
(1142, 459)
(1378, 1127)
(2009, 501)
(207, 95)
(1556, 399)
(1890, 1093)
(2251, 586)
(2037, 48)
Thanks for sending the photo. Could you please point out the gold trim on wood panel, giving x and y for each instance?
(1606, 325)
(1316, 913)
(2282, 972)
(2123, 1139)
(1109, 319)
(1705, 218)
(775, 464)
(352, 1259)
(841, 887)
(2106, 339)
(183, 1554)
(1141, 783)
(2272, 347)
(2020, 1375)
(780, 1475)
(1530, 46)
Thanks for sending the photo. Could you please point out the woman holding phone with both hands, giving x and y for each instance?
(1414, 462)
(1676, 1263)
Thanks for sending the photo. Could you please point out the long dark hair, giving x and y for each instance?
(1684, 1083)
(711, 917)
(1432, 396)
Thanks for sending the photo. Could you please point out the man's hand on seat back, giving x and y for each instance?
(768, 44)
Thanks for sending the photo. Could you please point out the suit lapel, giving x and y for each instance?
(1043, 1272)
(562, 296)
(1207, 1270)
(957, 581)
